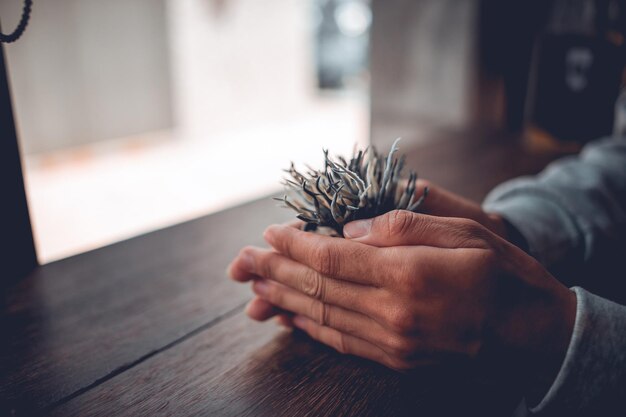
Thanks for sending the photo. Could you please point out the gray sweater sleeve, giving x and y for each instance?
(573, 218)
(592, 378)
(572, 209)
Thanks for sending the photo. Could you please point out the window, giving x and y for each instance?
(137, 115)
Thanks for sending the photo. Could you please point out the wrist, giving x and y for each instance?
(535, 332)
(546, 358)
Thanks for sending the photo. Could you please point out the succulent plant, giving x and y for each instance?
(366, 186)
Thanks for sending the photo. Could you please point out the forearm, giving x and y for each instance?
(573, 214)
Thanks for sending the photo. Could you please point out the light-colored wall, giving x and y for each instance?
(239, 63)
(423, 66)
(88, 70)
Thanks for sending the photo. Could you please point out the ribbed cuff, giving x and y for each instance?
(591, 381)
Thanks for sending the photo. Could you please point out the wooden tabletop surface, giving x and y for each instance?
(152, 326)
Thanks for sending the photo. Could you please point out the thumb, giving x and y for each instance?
(402, 227)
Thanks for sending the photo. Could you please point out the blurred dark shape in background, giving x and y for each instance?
(579, 66)
(550, 69)
(506, 36)
(341, 41)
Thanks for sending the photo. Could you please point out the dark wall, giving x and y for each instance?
(450, 64)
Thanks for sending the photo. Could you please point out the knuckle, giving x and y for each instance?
(376, 309)
(319, 312)
(326, 314)
(399, 222)
(469, 226)
(400, 347)
(313, 284)
(325, 260)
(401, 321)
(340, 344)
(473, 233)
(267, 265)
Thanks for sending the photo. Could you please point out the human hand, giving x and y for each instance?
(405, 289)
(440, 202)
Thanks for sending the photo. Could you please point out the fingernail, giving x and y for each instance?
(246, 260)
(260, 287)
(299, 321)
(270, 233)
(358, 228)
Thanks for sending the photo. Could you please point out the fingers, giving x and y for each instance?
(239, 270)
(441, 202)
(401, 228)
(236, 269)
(332, 257)
(260, 310)
(344, 330)
(338, 318)
(273, 266)
(341, 342)
(285, 320)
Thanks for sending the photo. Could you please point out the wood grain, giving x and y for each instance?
(473, 163)
(152, 326)
(242, 368)
(75, 321)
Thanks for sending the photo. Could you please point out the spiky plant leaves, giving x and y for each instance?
(366, 186)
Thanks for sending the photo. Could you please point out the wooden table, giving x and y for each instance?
(152, 326)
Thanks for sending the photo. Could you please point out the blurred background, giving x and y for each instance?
(137, 115)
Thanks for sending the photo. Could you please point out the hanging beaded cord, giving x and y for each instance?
(15, 35)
